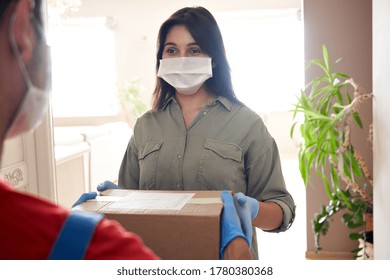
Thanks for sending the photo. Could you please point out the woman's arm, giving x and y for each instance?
(270, 216)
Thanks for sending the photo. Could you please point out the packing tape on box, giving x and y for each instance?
(205, 200)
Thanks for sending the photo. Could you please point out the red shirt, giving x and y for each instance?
(30, 226)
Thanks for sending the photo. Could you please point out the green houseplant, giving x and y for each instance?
(130, 100)
(329, 105)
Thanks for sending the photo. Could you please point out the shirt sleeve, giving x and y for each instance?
(264, 174)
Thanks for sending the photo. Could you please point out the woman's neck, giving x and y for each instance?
(191, 105)
(194, 101)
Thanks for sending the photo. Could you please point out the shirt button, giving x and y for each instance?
(204, 113)
(179, 157)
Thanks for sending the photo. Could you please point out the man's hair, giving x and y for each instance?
(4, 4)
(204, 29)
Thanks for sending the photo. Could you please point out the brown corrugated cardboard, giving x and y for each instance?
(190, 233)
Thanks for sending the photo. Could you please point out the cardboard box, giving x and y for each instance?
(176, 225)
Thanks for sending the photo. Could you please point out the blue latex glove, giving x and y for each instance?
(251, 202)
(247, 210)
(107, 185)
(84, 197)
(230, 222)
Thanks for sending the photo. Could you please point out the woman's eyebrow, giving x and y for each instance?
(193, 44)
(169, 44)
(174, 44)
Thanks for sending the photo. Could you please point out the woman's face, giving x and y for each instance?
(180, 43)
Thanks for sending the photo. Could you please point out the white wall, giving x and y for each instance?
(381, 89)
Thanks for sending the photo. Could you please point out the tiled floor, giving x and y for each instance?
(289, 245)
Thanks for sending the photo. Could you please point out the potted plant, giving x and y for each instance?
(130, 100)
(329, 104)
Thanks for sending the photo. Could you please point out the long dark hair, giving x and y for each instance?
(204, 29)
(37, 8)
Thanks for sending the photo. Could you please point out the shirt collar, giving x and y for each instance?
(172, 98)
(223, 100)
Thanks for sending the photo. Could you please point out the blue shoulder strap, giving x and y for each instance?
(76, 233)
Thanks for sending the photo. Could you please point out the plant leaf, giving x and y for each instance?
(357, 119)
(355, 236)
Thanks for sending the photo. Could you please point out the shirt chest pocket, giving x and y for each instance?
(147, 158)
(224, 150)
(221, 166)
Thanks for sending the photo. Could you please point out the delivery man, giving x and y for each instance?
(33, 228)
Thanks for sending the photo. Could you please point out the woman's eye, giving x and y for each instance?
(195, 51)
(171, 51)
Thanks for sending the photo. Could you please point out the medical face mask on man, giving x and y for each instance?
(185, 74)
(34, 103)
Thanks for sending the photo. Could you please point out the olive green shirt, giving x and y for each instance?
(227, 147)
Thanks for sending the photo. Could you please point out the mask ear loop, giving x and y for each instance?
(17, 53)
(39, 32)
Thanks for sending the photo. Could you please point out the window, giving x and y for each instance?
(265, 52)
(84, 68)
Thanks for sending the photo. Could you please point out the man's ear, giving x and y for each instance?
(22, 29)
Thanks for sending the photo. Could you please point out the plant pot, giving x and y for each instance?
(367, 245)
(367, 252)
(369, 218)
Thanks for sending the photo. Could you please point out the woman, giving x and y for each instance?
(198, 136)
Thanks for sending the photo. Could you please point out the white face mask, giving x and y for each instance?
(185, 74)
(34, 104)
